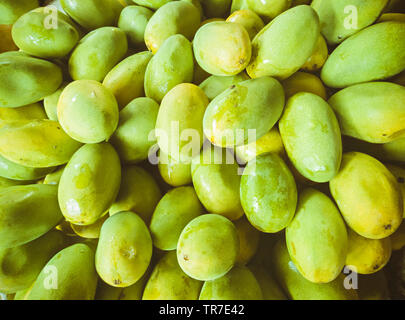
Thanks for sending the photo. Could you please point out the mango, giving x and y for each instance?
(284, 45)
(51, 103)
(31, 111)
(392, 17)
(89, 183)
(215, 85)
(124, 249)
(10, 10)
(174, 173)
(368, 196)
(303, 82)
(135, 291)
(270, 288)
(318, 58)
(14, 171)
(249, 238)
(54, 177)
(152, 4)
(5, 183)
(312, 138)
(399, 174)
(249, 20)
(91, 231)
(398, 238)
(6, 43)
(133, 21)
(216, 8)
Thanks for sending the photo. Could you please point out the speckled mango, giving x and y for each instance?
(215, 85)
(11, 10)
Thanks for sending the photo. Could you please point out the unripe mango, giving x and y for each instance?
(152, 4)
(303, 82)
(174, 173)
(11, 10)
(249, 238)
(133, 21)
(215, 85)
(249, 20)
(14, 171)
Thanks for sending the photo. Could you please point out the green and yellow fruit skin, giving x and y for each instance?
(54, 177)
(249, 238)
(398, 238)
(133, 21)
(89, 183)
(174, 173)
(318, 57)
(215, 85)
(124, 250)
(14, 171)
(51, 103)
(368, 196)
(249, 20)
(399, 174)
(91, 231)
(152, 4)
(5, 183)
(135, 291)
(303, 82)
(11, 10)
(31, 111)
(392, 17)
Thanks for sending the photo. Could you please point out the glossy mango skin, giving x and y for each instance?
(399, 174)
(171, 65)
(93, 14)
(312, 137)
(373, 112)
(375, 53)
(303, 82)
(169, 282)
(267, 9)
(215, 85)
(74, 272)
(25, 80)
(152, 4)
(238, 284)
(21, 265)
(54, 177)
(339, 21)
(216, 181)
(139, 193)
(249, 238)
(173, 212)
(51, 103)
(36, 143)
(133, 21)
(249, 20)
(11, 10)
(126, 79)
(97, 53)
(124, 249)
(317, 238)
(268, 193)
(175, 17)
(31, 111)
(299, 288)
(318, 57)
(26, 213)
(368, 196)
(5, 183)
(174, 173)
(222, 48)
(208, 247)
(14, 171)
(91, 231)
(284, 45)
(89, 183)
(252, 104)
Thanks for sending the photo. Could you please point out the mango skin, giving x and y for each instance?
(5, 183)
(169, 282)
(89, 183)
(10, 11)
(174, 173)
(173, 212)
(238, 284)
(152, 4)
(126, 79)
(30, 34)
(368, 196)
(373, 112)
(375, 53)
(14, 171)
(270, 288)
(26, 213)
(135, 291)
(268, 9)
(251, 104)
(312, 138)
(249, 238)
(31, 111)
(54, 177)
(294, 31)
(222, 48)
(25, 80)
(398, 238)
(133, 21)
(335, 15)
(215, 85)
(51, 103)
(175, 17)
(318, 57)
(21, 265)
(217, 182)
(91, 231)
(171, 65)
(93, 14)
(367, 256)
(399, 174)
(249, 20)
(97, 53)
(208, 247)
(36, 143)
(7, 43)
(303, 82)
(76, 276)
(299, 288)
(124, 249)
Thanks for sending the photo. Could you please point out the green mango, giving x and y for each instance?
(124, 250)
(183, 107)
(89, 183)
(93, 14)
(97, 53)
(152, 4)
(107, 292)
(174, 17)
(139, 193)
(171, 65)
(5, 183)
(373, 112)
(249, 238)
(238, 284)
(126, 79)
(208, 247)
(312, 138)
(215, 85)
(216, 180)
(198, 5)
(91, 231)
(374, 53)
(249, 20)
(54, 177)
(69, 275)
(36, 143)
(133, 21)
(373, 287)
(368, 196)
(270, 288)
(216, 8)
(249, 105)
(222, 48)
(11, 10)
(341, 19)
(268, 9)
(284, 45)
(299, 288)
(14, 171)
(169, 282)
(268, 193)
(26, 213)
(173, 212)
(317, 238)
(174, 173)
(37, 34)
(21, 265)
(399, 174)
(318, 57)
(31, 111)
(25, 80)
(135, 291)
(303, 82)
(51, 103)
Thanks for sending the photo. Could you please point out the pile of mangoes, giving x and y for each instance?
(128, 170)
